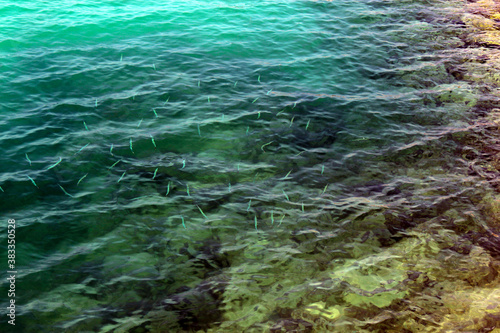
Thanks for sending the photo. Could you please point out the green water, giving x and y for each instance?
(183, 166)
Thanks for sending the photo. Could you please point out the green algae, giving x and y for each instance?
(372, 281)
(319, 309)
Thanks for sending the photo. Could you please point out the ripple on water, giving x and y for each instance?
(238, 166)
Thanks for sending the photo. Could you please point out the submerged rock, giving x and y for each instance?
(292, 326)
(200, 307)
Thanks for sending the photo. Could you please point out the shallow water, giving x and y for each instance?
(184, 166)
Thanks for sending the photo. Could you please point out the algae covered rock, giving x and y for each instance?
(482, 19)
(69, 303)
(472, 309)
(484, 7)
(461, 94)
(319, 309)
(479, 21)
(374, 280)
(491, 204)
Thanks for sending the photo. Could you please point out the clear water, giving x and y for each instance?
(220, 165)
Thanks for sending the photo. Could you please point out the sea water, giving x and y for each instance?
(174, 166)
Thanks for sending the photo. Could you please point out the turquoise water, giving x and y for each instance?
(181, 166)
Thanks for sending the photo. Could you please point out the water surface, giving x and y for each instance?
(228, 165)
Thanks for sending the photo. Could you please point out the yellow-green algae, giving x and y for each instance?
(481, 17)
(372, 280)
(320, 309)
